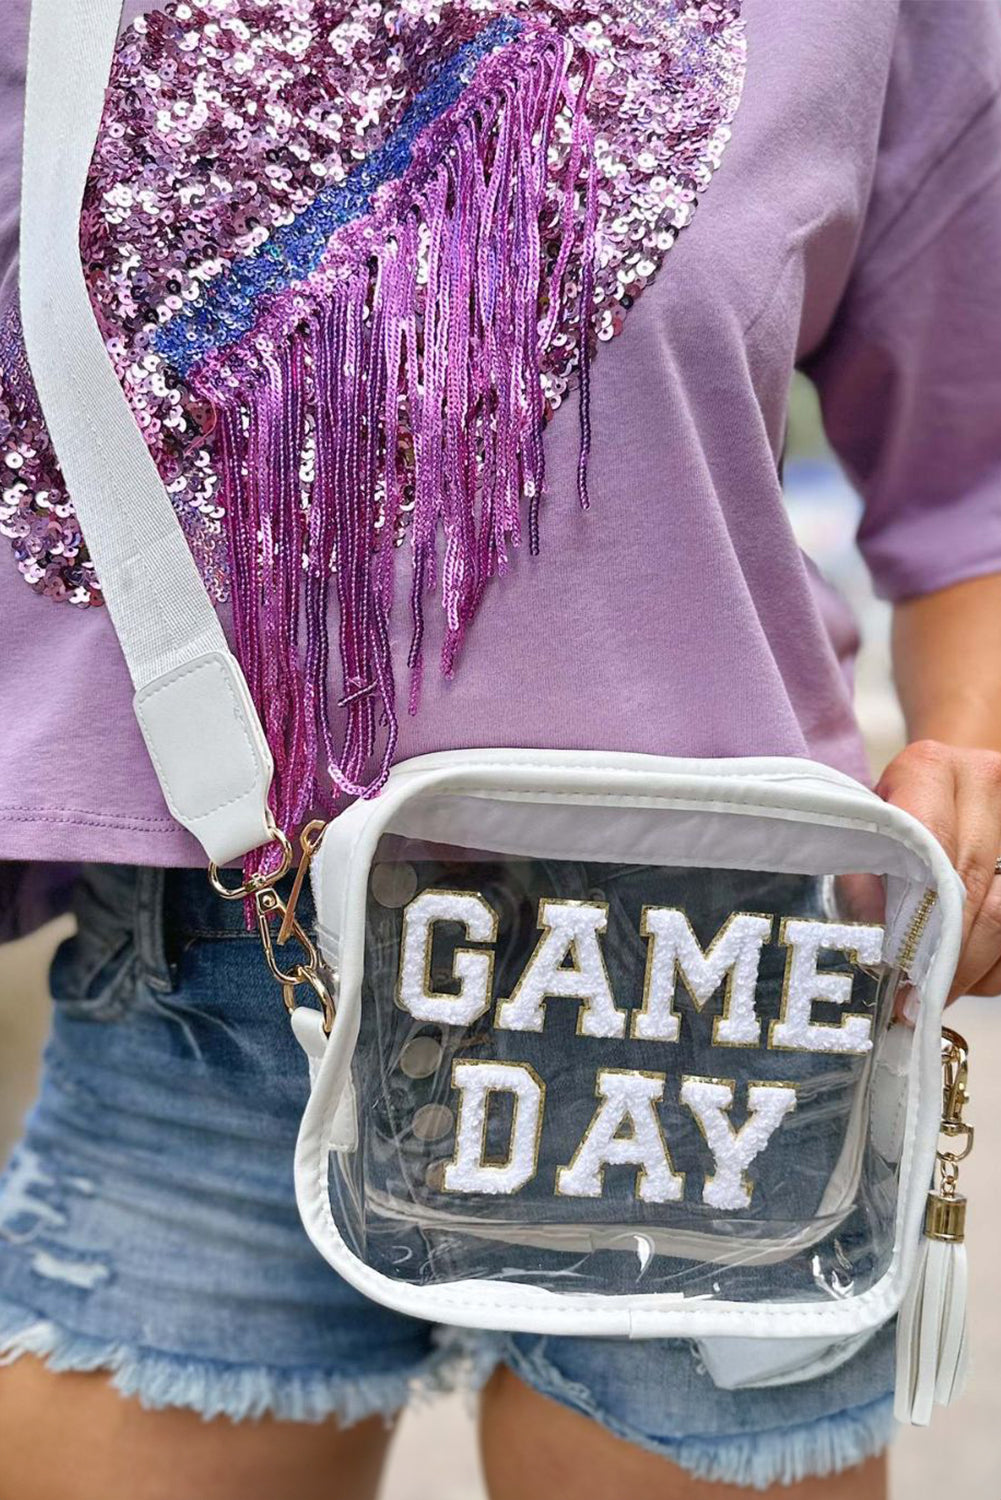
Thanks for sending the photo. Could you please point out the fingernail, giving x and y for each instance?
(910, 1007)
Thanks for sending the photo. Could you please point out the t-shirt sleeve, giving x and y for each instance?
(909, 374)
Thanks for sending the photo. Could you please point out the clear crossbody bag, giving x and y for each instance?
(614, 1051)
(599, 1043)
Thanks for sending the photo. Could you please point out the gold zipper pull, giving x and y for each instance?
(309, 842)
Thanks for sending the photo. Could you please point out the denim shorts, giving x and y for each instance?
(148, 1225)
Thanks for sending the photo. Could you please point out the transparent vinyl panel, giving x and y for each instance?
(605, 1077)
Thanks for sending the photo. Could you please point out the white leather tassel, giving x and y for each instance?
(932, 1354)
(932, 1348)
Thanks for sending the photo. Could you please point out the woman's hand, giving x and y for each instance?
(956, 793)
(947, 664)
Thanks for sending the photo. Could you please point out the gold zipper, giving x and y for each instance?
(915, 931)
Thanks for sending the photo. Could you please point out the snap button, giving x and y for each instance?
(432, 1122)
(393, 885)
(420, 1057)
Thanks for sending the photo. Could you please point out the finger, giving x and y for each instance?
(978, 820)
(981, 953)
(905, 1003)
(959, 800)
(922, 781)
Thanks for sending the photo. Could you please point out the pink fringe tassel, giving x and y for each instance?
(411, 383)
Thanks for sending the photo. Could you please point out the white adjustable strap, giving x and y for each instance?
(191, 699)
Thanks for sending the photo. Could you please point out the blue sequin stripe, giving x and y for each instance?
(295, 250)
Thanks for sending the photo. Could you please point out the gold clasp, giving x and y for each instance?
(955, 1098)
(309, 842)
(955, 1074)
(268, 905)
(261, 880)
(945, 1214)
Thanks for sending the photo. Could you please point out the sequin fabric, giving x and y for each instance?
(347, 261)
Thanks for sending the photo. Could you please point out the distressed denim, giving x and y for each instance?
(148, 1225)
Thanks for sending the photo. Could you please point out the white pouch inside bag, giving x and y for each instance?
(614, 1049)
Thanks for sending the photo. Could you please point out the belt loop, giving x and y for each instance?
(151, 950)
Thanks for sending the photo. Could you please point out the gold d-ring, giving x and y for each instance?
(260, 881)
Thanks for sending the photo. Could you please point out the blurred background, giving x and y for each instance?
(434, 1457)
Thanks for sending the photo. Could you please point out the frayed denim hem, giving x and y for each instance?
(215, 1388)
(753, 1460)
(786, 1455)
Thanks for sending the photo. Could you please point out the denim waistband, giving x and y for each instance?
(161, 911)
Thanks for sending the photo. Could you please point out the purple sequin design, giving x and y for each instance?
(380, 241)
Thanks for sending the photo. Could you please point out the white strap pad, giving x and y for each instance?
(198, 724)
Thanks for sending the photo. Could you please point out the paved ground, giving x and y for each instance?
(434, 1456)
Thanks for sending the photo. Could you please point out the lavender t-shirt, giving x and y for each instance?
(854, 229)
